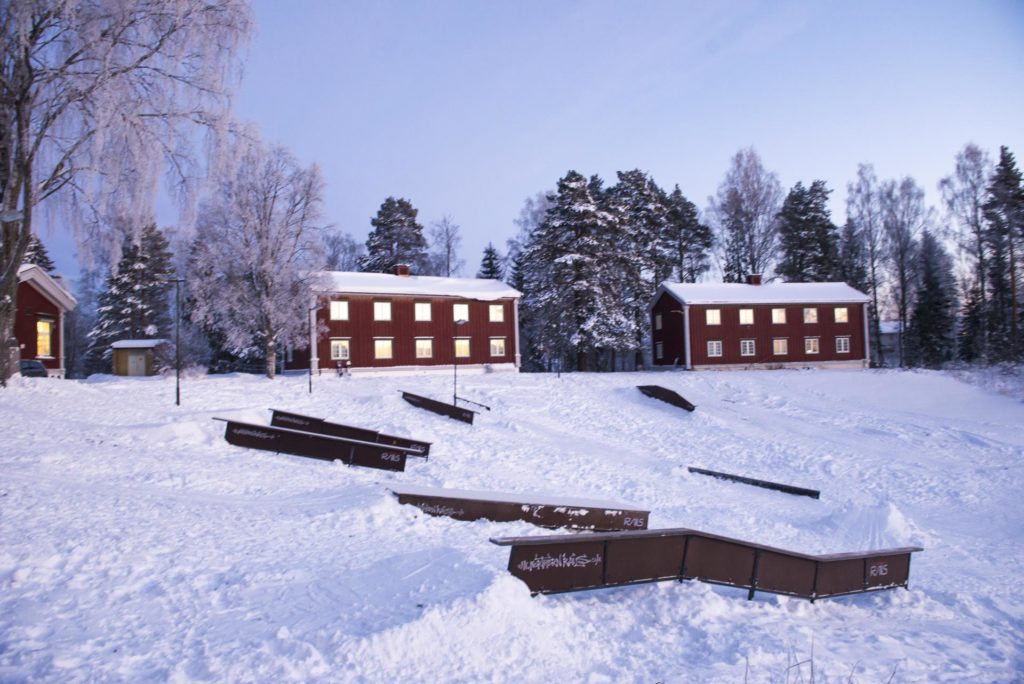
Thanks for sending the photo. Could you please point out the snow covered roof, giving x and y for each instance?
(48, 285)
(770, 293)
(385, 283)
(137, 344)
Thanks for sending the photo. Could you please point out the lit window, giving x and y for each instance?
(382, 311)
(340, 350)
(44, 337)
(460, 312)
(657, 322)
(778, 316)
(497, 346)
(382, 349)
(810, 315)
(780, 346)
(842, 315)
(746, 347)
(713, 317)
(811, 345)
(424, 347)
(659, 350)
(842, 345)
(462, 347)
(422, 311)
(746, 317)
(496, 313)
(339, 311)
(714, 347)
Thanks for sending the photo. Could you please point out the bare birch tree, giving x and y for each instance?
(864, 209)
(95, 97)
(445, 240)
(252, 268)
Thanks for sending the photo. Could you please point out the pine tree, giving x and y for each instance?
(851, 263)
(971, 334)
(1004, 214)
(134, 303)
(490, 266)
(931, 335)
(808, 239)
(690, 240)
(396, 238)
(35, 253)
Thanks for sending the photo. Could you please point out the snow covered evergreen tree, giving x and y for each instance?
(1004, 214)
(851, 263)
(490, 265)
(35, 253)
(808, 239)
(134, 304)
(396, 238)
(931, 337)
(691, 241)
(971, 334)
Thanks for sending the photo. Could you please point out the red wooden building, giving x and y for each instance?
(39, 322)
(778, 325)
(379, 320)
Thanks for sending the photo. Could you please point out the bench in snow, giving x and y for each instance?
(544, 511)
(312, 445)
(666, 395)
(297, 421)
(572, 562)
(456, 412)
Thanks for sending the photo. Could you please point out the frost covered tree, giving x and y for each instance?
(690, 240)
(341, 252)
(134, 302)
(445, 240)
(396, 238)
(252, 265)
(863, 208)
(808, 240)
(743, 213)
(931, 337)
(35, 253)
(1004, 237)
(96, 95)
(490, 265)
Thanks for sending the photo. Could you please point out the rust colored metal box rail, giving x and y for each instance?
(312, 445)
(539, 510)
(456, 412)
(297, 421)
(666, 395)
(573, 562)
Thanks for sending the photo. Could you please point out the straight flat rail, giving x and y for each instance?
(297, 421)
(311, 445)
(561, 563)
(553, 512)
(439, 407)
(777, 486)
(666, 395)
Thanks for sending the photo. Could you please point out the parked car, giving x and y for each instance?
(31, 368)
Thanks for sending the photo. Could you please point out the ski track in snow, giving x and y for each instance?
(138, 546)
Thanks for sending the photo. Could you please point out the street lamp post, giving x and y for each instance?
(455, 362)
(177, 338)
(312, 343)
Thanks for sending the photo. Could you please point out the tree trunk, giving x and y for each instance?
(270, 349)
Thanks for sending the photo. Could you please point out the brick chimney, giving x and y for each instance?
(754, 279)
(402, 270)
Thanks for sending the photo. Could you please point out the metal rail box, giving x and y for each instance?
(456, 412)
(297, 421)
(666, 395)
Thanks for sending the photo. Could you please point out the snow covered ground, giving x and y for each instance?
(136, 545)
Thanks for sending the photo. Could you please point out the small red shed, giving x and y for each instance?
(777, 325)
(39, 323)
(384, 321)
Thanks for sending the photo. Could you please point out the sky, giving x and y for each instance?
(468, 108)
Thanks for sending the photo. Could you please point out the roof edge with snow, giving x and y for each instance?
(770, 293)
(48, 285)
(346, 282)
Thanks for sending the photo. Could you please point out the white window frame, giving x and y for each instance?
(843, 344)
(455, 349)
(812, 345)
(422, 311)
(50, 326)
(748, 314)
(714, 349)
(657, 321)
(785, 346)
(495, 313)
(659, 350)
(842, 314)
(344, 343)
(339, 310)
(381, 311)
(748, 347)
(456, 308)
(779, 316)
(429, 348)
(713, 317)
(376, 349)
(501, 341)
(810, 314)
